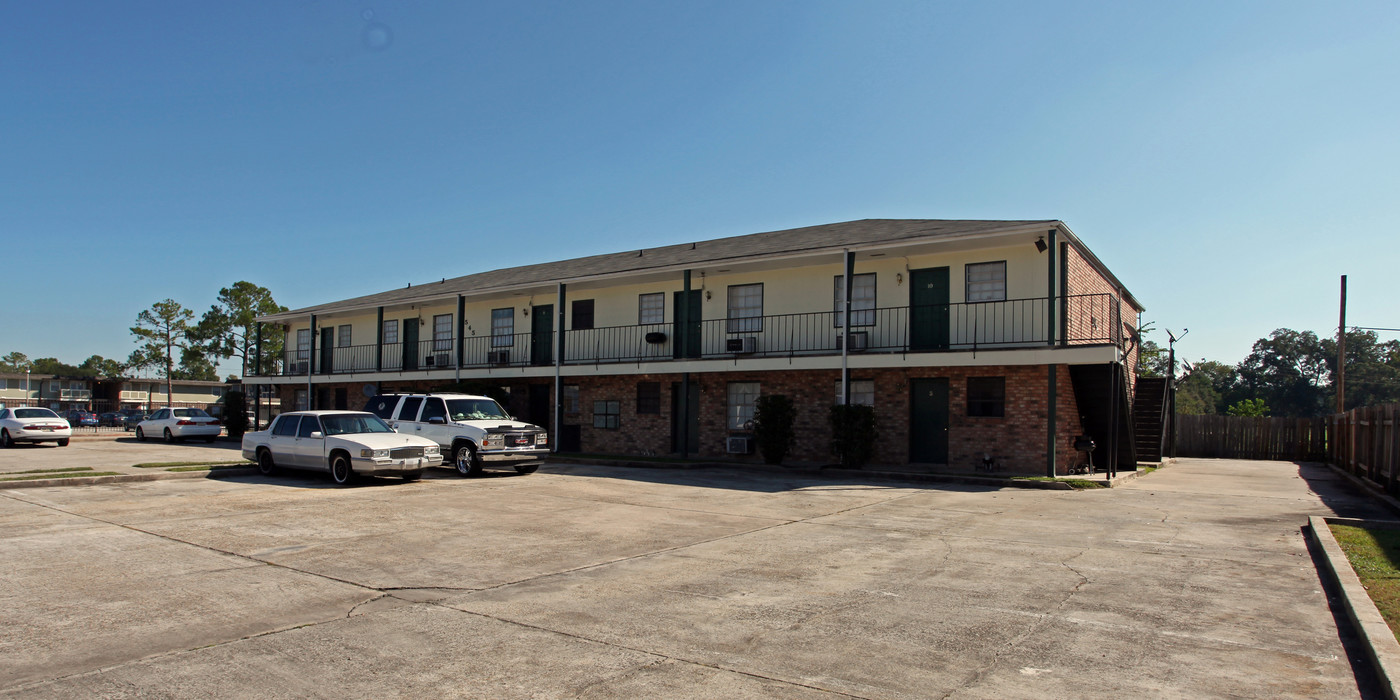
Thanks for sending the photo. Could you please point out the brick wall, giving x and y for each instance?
(1091, 318)
(1016, 441)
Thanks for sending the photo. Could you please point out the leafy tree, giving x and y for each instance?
(227, 329)
(101, 367)
(772, 426)
(1205, 388)
(51, 365)
(1252, 408)
(1288, 371)
(1373, 370)
(194, 364)
(161, 330)
(16, 362)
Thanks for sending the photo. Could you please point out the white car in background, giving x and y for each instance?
(345, 443)
(27, 424)
(174, 424)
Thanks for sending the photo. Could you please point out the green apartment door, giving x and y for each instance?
(687, 340)
(327, 350)
(410, 344)
(542, 335)
(928, 421)
(928, 308)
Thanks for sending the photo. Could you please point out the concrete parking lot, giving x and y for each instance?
(581, 581)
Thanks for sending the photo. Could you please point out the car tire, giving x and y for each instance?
(63, 442)
(5, 440)
(413, 476)
(211, 439)
(266, 466)
(527, 469)
(169, 436)
(140, 434)
(341, 473)
(465, 460)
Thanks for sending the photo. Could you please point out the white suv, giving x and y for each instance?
(473, 431)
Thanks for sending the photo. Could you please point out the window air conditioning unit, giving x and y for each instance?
(298, 368)
(741, 346)
(498, 357)
(438, 360)
(859, 341)
(739, 445)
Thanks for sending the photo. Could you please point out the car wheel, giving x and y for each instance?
(211, 440)
(466, 461)
(341, 473)
(169, 436)
(527, 469)
(63, 442)
(413, 476)
(140, 434)
(5, 440)
(265, 464)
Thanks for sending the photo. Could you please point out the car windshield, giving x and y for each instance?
(34, 413)
(342, 424)
(474, 409)
(190, 413)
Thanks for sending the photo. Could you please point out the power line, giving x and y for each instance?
(1364, 328)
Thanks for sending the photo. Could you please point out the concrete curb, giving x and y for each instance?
(864, 474)
(1380, 642)
(154, 475)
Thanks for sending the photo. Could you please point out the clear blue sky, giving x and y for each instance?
(1228, 160)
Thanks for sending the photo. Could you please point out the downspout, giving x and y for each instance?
(846, 284)
(311, 363)
(683, 337)
(558, 376)
(1051, 398)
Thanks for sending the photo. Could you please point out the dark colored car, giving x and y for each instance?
(78, 418)
(131, 417)
(110, 418)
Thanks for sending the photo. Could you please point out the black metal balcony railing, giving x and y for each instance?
(1089, 319)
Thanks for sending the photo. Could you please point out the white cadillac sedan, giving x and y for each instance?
(345, 443)
(25, 424)
(174, 424)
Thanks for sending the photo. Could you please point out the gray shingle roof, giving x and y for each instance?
(866, 232)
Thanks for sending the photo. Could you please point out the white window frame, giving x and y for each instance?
(744, 310)
(862, 392)
(342, 336)
(985, 281)
(742, 400)
(651, 308)
(303, 344)
(862, 300)
(503, 334)
(391, 331)
(442, 332)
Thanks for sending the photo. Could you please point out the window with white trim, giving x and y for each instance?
(303, 344)
(442, 332)
(862, 300)
(986, 281)
(342, 336)
(862, 392)
(743, 396)
(745, 312)
(391, 331)
(651, 308)
(502, 328)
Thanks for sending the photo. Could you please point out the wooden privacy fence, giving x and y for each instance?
(1238, 437)
(1368, 443)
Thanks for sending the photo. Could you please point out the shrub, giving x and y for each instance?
(235, 414)
(772, 427)
(853, 434)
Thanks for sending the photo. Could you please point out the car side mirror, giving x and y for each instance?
(317, 435)
(437, 421)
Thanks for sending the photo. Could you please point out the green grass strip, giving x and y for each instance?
(1073, 483)
(166, 465)
(208, 468)
(1373, 553)
(70, 475)
(47, 471)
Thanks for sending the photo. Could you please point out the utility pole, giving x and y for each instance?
(1342, 351)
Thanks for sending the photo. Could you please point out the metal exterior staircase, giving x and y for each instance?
(1150, 418)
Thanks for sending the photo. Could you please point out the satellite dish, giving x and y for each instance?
(370, 390)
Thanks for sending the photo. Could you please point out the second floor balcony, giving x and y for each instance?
(1091, 319)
